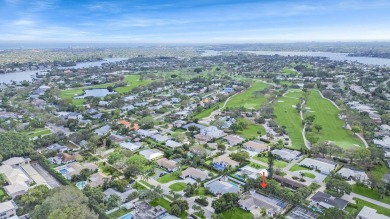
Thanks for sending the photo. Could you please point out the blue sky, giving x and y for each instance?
(198, 21)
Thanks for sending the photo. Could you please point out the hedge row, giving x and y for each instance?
(45, 164)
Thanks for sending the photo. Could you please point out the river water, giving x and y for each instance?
(329, 55)
(28, 75)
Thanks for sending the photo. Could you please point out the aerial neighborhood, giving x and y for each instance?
(177, 133)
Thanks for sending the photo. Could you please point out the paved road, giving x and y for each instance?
(354, 195)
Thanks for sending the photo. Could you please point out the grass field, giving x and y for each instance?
(310, 175)
(237, 213)
(380, 210)
(326, 115)
(180, 186)
(277, 163)
(132, 82)
(257, 166)
(289, 71)
(247, 99)
(165, 204)
(251, 129)
(117, 214)
(287, 115)
(169, 177)
(207, 112)
(296, 167)
(379, 171)
(38, 132)
(370, 193)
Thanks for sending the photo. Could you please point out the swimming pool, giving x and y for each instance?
(63, 171)
(81, 185)
(126, 216)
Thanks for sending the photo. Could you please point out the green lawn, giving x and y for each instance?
(207, 112)
(237, 213)
(380, 210)
(119, 213)
(38, 132)
(169, 177)
(296, 167)
(369, 193)
(138, 186)
(180, 186)
(132, 82)
(257, 166)
(379, 171)
(146, 183)
(247, 99)
(289, 71)
(251, 129)
(277, 163)
(287, 115)
(165, 204)
(332, 127)
(310, 175)
(233, 148)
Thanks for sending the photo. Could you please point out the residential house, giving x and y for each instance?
(221, 186)
(370, 213)
(194, 174)
(151, 154)
(98, 179)
(74, 115)
(255, 202)
(147, 133)
(352, 174)
(8, 210)
(97, 116)
(288, 182)
(301, 213)
(173, 144)
(169, 165)
(323, 200)
(160, 138)
(130, 146)
(234, 140)
(104, 130)
(322, 165)
(224, 161)
(286, 154)
(255, 146)
(122, 195)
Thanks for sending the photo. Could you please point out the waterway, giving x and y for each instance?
(29, 75)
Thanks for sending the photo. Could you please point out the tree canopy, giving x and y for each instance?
(14, 144)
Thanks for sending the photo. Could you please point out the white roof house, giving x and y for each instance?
(8, 209)
(353, 174)
(18, 181)
(151, 154)
(129, 146)
(173, 144)
(369, 213)
(324, 166)
(286, 154)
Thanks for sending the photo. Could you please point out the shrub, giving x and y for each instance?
(202, 201)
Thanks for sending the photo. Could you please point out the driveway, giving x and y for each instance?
(51, 181)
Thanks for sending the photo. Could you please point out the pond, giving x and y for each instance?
(99, 92)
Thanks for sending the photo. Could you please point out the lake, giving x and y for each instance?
(99, 92)
(27, 75)
(18, 76)
(331, 55)
(93, 64)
